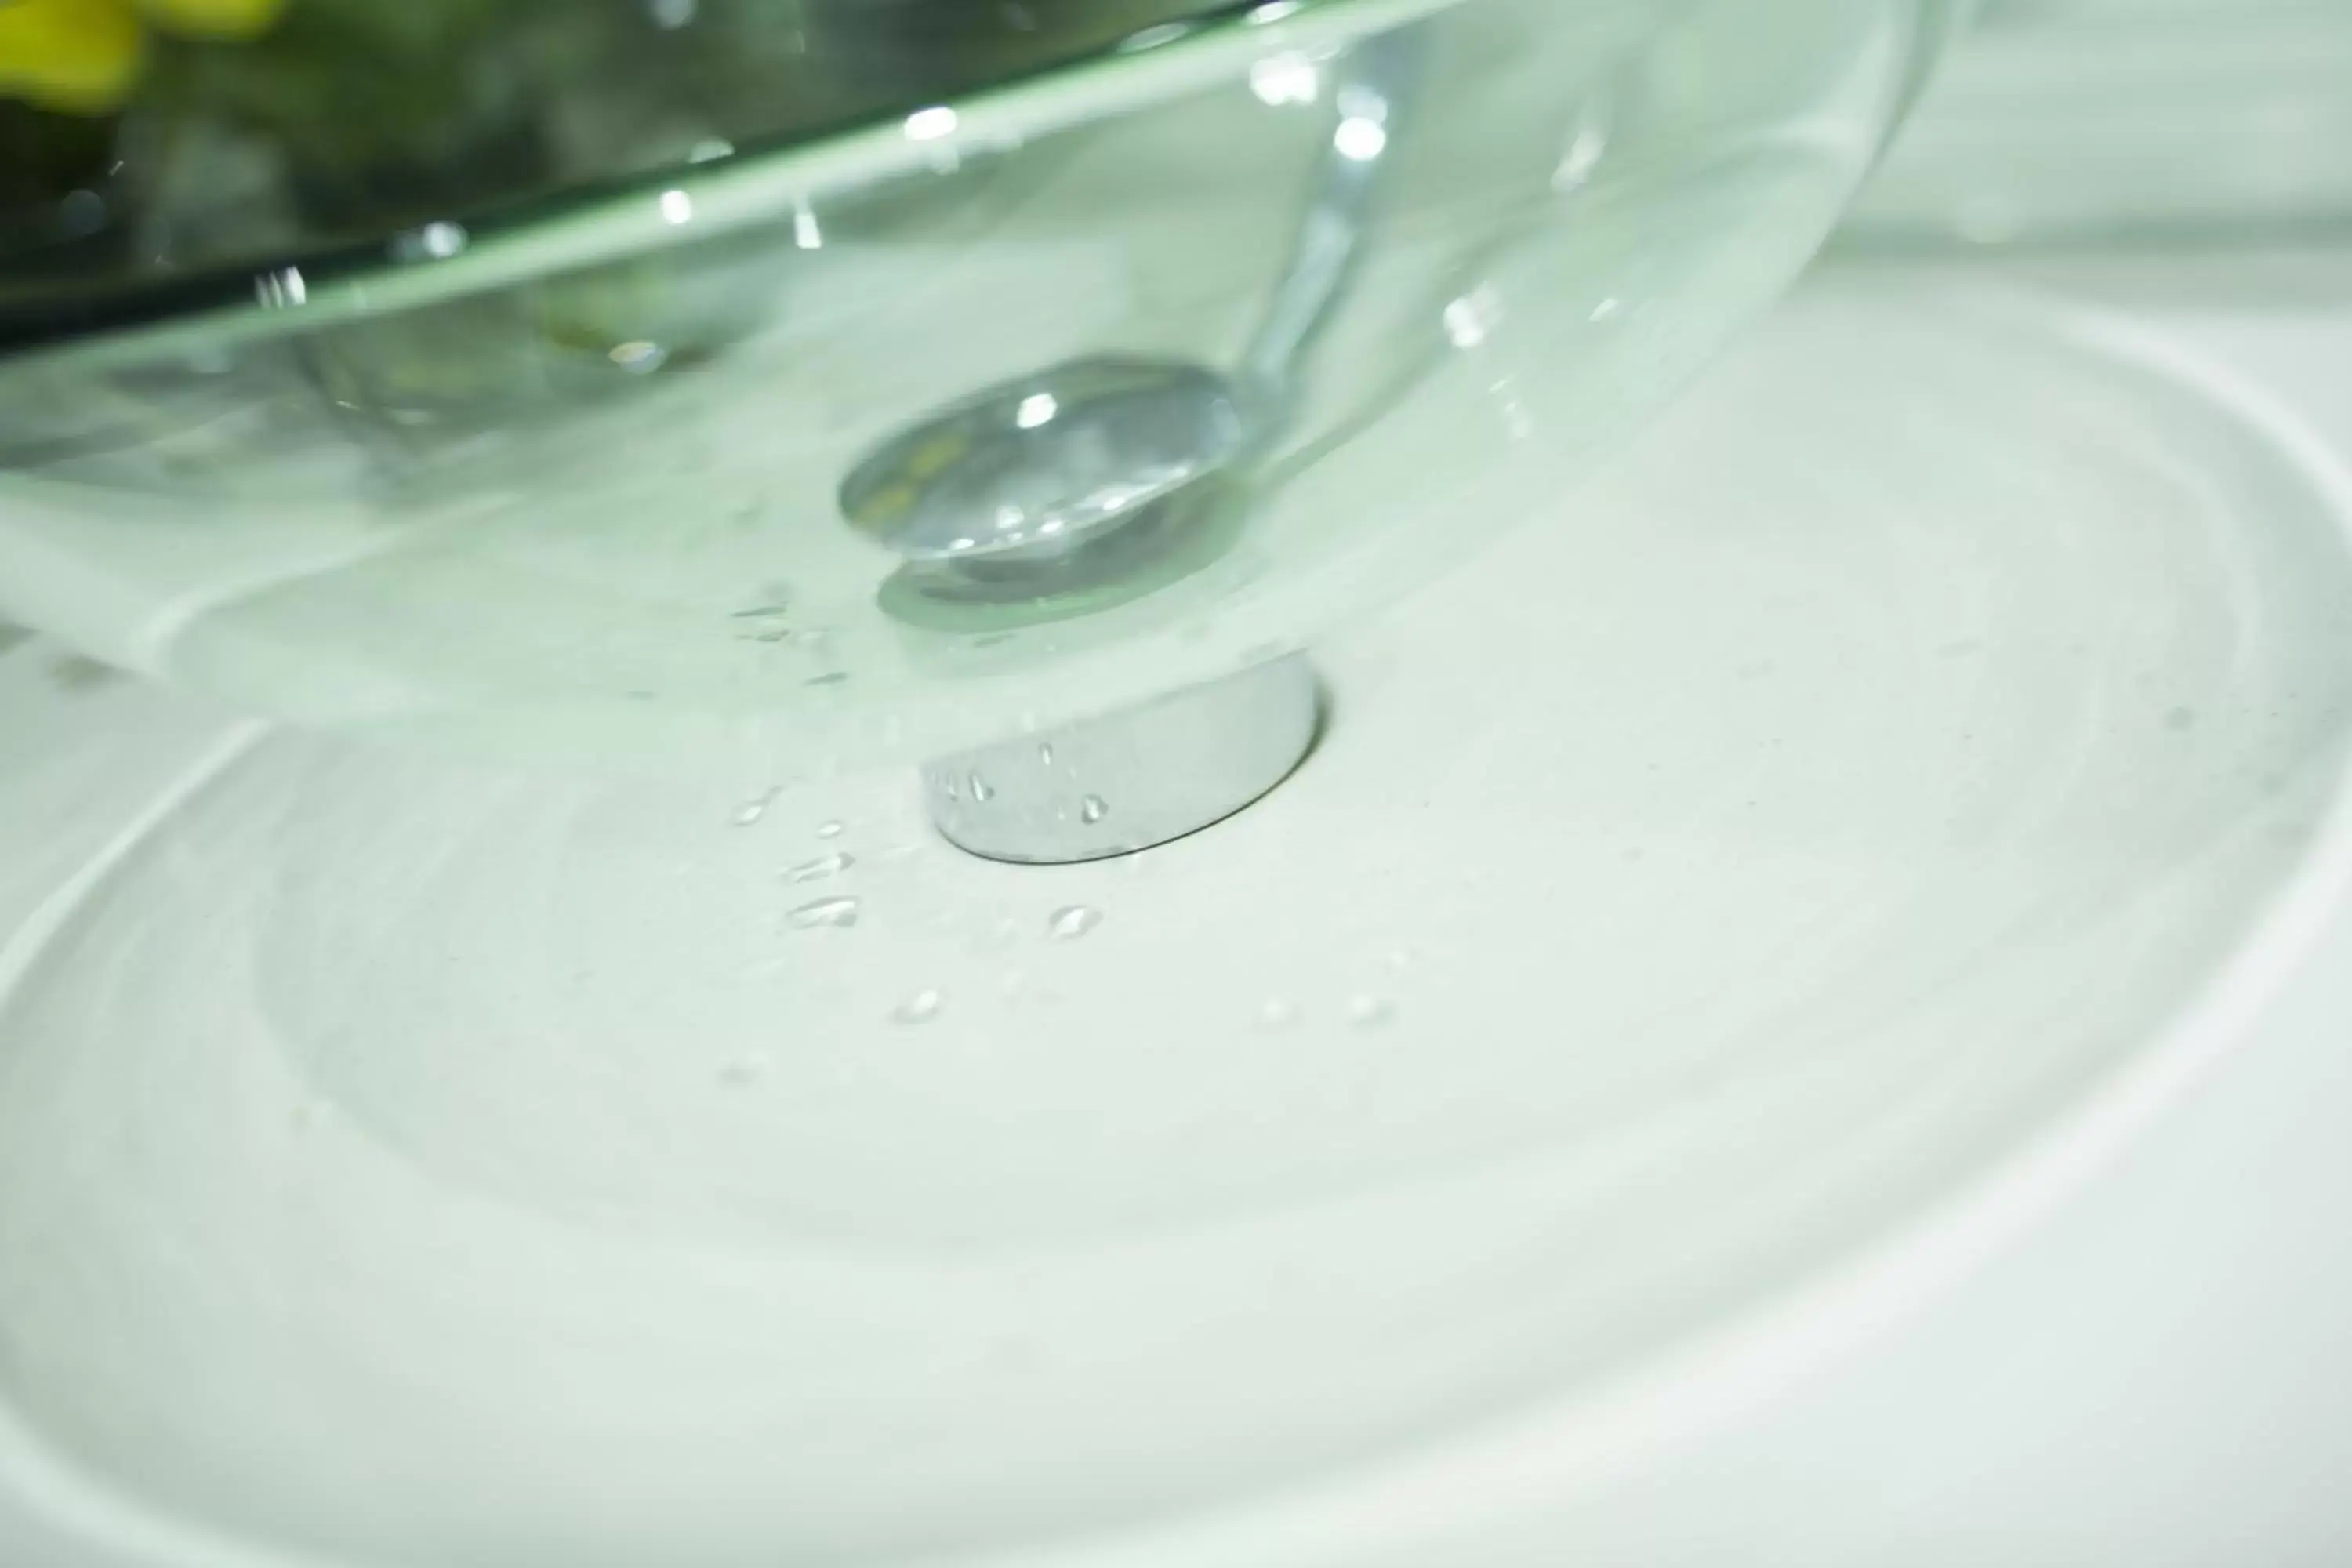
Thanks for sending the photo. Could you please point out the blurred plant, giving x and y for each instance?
(145, 140)
(154, 138)
(84, 56)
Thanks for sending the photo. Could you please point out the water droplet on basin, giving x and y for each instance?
(920, 1009)
(1046, 754)
(1093, 809)
(830, 829)
(1371, 1012)
(983, 792)
(827, 912)
(818, 870)
(1071, 924)
(754, 809)
(836, 914)
(1279, 1013)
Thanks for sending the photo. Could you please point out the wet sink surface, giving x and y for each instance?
(1729, 875)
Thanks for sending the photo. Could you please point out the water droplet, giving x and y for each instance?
(1046, 754)
(818, 870)
(1401, 959)
(1279, 1013)
(983, 792)
(1371, 1012)
(754, 809)
(1093, 809)
(920, 1009)
(1471, 320)
(831, 829)
(835, 914)
(1071, 924)
(836, 677)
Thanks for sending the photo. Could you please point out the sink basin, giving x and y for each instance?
(1925, 742)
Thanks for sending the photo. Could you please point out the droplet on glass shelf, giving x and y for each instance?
(983, 792)
(831, 829)
(1401, 959)
(920, 1009)
(1093, 809)
(755, 808)
(818, 870)
(1046, 754)
(1371, 1012)
(833, 914)
(835, 678)
(1073, 922)
(638, 356)
(432, 242)
(1471, 320)
(1279, 1013)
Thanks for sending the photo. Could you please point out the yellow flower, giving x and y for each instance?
(83, 56)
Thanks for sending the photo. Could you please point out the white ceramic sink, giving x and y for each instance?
(1711, 920)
